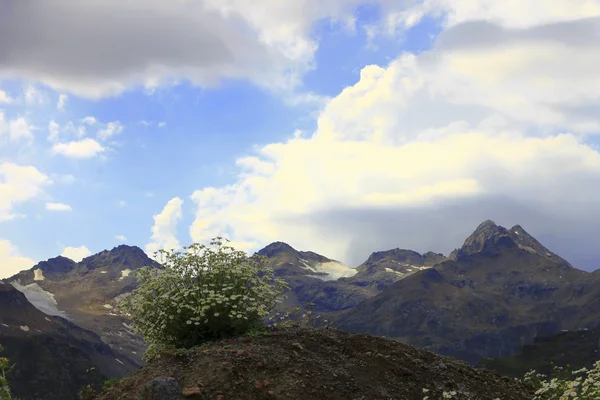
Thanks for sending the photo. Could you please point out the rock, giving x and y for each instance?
(163, 389)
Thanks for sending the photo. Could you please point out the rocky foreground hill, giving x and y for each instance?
(307, 364)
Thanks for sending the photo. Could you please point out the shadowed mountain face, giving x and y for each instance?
(578, 349)
(383, 268)
(53, 357)
(85, 292)
(496, 293)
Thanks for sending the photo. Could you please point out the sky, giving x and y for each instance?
(341, 127)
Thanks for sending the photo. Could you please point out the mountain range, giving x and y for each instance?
(489, 298)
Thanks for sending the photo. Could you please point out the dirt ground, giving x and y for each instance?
(304, 363)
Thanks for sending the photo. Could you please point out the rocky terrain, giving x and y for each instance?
(306, 364)
(86, 293)
(53, 357)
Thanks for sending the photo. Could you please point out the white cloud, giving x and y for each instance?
(54, 129)
(76, 253)
(85, 148)
(67, 179)
(5, 98)
(164, 231)
(89, 120)
(110, 129)
(420, 151)
(121, 203)
(61, 102)
(34, 96)
(18, 184)
(58, 207)
(11, 261)
(16, 129)
(121, 238)
(162, 124)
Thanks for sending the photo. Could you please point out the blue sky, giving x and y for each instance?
(341, 127)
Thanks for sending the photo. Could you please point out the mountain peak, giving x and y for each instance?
(487, 238)
(276, 248)
(58, 264)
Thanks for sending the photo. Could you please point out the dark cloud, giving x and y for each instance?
(445, 227)
(486, 34)
(94, 47)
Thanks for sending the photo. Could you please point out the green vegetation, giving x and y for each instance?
(4, 388)
(111, 382)
(201, 294)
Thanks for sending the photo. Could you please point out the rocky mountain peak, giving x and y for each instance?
(487, 238)
(276, 248)
(119, 258)
(60, 264)
(399, 255)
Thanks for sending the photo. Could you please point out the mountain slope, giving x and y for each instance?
(53, 357)
(496, 293)
(86, 292)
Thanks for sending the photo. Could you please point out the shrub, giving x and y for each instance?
(86, 393)
(580, 388)
(4, 388)
(201, 294)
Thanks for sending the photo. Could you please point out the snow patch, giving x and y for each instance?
(103, 272)
(125, 273)
(6, 325)
(305, 264)
(516, 233)
(47, 319)
(119, 361)
(38, 275)
(24, 328)
(334, 270)
(527, 248)
(107, 306)
(41, 299)
(391, 270)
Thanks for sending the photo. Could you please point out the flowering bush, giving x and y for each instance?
(581, 388)
(202, 294)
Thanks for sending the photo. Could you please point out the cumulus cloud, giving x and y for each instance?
(11, 261)
(121, 238)
(54, 131)
(34, 96)
(16, 130)
(89, 120)
(58, 207)
(85, 148)
(111, 129)
(164, 231)
(18, 184)
(5, 98)
(76, 253)
(420, 151)
(61, 102)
